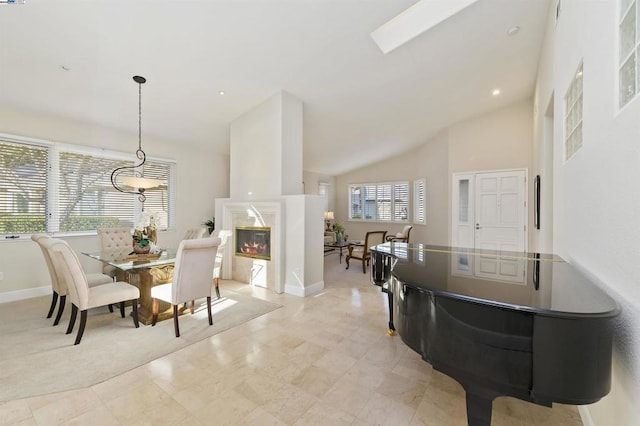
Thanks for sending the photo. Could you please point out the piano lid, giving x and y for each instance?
(531, 282)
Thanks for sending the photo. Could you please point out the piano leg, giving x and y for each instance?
(392, 329)
(479, 405)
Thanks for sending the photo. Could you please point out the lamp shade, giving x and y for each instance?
(140, 182)
(328, 215)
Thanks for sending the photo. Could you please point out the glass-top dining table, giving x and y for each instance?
(143, 271)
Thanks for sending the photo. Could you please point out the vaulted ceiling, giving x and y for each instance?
(75, 58)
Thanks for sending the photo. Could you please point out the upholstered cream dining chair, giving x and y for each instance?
(223, 235)
(58, 283)
(112, 239)
(361, 252)
(193, 233)
(84, 297)
(191, 278)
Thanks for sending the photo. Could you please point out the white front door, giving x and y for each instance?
(500, 211)
(490, 210)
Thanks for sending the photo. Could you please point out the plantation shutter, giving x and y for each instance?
(419, 201)
(369, 199)
(384, 202)
(401, 201)
(23, 188)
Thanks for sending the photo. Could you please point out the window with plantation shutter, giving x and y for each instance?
(383, 202)
(59, 188)
(419, 201)
(23, 188)
(401, 201)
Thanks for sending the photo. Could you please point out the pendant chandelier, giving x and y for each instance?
(137, 182)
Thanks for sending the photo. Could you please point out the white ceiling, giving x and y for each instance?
(360, 105)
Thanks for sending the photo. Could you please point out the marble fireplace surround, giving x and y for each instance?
(264, 273)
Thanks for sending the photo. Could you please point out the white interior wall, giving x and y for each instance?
(254, 150)
(267, 165)
(500, 139)
(266, 150)
(594, 204)
(21, 261)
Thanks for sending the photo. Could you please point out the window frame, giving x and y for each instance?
(633, 53)
(378, 186)
(53, 182)
(572, 106)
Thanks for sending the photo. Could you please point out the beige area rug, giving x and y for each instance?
(36, 358)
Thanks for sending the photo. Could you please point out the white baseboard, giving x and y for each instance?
(296, 290)
(585, 415)
(12, 296)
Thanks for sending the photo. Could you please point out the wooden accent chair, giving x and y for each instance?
(223, 235)
(402, 236)
(361, 252)
(58, 283)
(193, 233)
(84, 297)
(114, 239)
(191, 278)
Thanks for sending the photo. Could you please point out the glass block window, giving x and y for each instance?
(381, 202)
(573, 115)
(629, 51)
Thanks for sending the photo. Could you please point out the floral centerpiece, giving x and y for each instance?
(145, 234)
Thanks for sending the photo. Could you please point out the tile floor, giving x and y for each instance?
(319, 360)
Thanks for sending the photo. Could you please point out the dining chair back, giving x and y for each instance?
(82, 296)
(191, 278)
(361, 252)
(58, 283)
(112, 239)
(224, 236)
(193, 233)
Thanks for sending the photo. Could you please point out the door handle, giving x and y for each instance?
(477, 226)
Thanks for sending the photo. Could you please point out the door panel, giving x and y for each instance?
(501, 211)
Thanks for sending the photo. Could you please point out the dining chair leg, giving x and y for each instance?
(63, 299)
(346, 259)
(54, 299)
(364, 267)
(72, 320)
(217, 282)
(192, 306)
(209, 310)
(83, 322)
(134, 314)
(122, 309)
(110, 308)
(175, 320)
(154, 312)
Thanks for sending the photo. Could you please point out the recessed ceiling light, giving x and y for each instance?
(495, 92)
(513, 30)
(221, 92)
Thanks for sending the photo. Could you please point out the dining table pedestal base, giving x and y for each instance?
(145, 279)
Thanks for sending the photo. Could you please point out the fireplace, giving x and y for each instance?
(253, 242)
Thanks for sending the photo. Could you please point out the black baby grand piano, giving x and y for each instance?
(524, 325)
